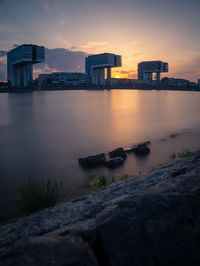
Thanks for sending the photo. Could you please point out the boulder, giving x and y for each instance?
(119, 152)
(141, 149)
(92, 161)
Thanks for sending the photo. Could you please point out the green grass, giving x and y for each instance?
(100, 184)
(103, 181)
(185, 153)
(124, 177)
(38, 194)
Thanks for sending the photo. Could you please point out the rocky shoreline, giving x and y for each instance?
(151, 219)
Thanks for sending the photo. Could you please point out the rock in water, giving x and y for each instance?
(119, 152)
(115, 162)
(142, 149)
(94, 160)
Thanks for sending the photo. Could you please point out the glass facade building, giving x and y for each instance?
(20, 64)
(147, 68)
(95, 66)
(71, 78)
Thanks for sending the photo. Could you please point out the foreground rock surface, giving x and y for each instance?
(151, 220)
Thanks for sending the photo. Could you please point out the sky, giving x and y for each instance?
(139, 30)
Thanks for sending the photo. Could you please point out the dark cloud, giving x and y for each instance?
(65, 60)
(3, 53)
(3, 68)
(61, 59)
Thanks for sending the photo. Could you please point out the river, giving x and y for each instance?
(42, 134)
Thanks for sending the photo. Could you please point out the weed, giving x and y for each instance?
(104, 181)
(124, 177)
(38, 194)
(100, 184)
(185, 153)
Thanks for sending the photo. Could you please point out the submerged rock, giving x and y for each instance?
(115, 162)
(119, 152)
(148, 220)
(94, 160)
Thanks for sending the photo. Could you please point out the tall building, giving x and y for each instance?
(95, 66)
(20, 64)
(198, 82)
(70, 78)
(147, 68)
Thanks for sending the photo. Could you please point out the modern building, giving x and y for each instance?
(44, 79)
(71, 78)
(175, 82)
(198, 82)
(95, 66)
(20, 64)
(147, 68)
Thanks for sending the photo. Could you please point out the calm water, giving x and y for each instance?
(43, 134)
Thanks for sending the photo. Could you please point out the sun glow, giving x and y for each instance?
(117, 77)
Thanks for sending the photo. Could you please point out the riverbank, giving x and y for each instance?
(96, 87)
(150, 219)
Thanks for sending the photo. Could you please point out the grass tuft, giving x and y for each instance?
(100, 184)
(104, 181)
(38, 194)
(185, 153)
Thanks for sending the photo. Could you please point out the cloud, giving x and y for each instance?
(128, 73)
(94, 47)
(3, 76)
(89, 44)
(3, 65)
(137, 54)
(188, 69)
(16, 45)
(61, 59)
(3, 53)
(73, 48)
(58, 59)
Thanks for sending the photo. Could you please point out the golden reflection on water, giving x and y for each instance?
(137, 115)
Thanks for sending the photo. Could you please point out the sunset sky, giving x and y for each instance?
(139, 30)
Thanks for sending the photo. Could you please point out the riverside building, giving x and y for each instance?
(95, 65)
(71, 78)
(147, 68)
(20, 64)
